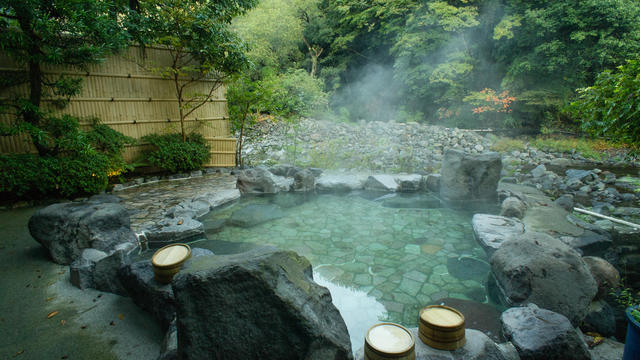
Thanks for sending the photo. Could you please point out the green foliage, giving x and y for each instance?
(627, 298)
(508, 144)
(611, 107)
(289, 95)
(111, 143)
(588, 148)
(170, 152)
(272, 43)
(36, 33)
(295, 93)
(81, 164)
(440, 52)
(68, 175)
(201, 45)
(559, 46)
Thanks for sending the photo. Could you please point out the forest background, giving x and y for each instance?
(529, 66)
(525, 65)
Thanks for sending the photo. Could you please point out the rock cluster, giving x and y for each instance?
(381, 146)
(65, 229)
(93, 236)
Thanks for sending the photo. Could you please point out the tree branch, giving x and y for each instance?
(206, 99)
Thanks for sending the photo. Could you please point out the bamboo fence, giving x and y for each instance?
(125, 93)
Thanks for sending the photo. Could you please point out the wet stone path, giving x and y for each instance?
(149, 202)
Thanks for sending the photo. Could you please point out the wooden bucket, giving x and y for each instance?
(168, 260)
(441, 327)
(389, 341)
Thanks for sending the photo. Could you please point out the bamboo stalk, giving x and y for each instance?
(158, 121)
(636, 226)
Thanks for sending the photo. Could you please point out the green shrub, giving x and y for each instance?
(32, 176)
(111, 143)
(79, 162)
(504, 144)
(611, 107)
(171, 153)
(295, 93)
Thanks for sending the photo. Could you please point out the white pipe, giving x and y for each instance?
(635, 226)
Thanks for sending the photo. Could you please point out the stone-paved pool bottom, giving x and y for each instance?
(382, 256)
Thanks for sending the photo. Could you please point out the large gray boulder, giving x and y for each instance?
(66, 229)
(304, 180)
(478, 346)
(340, 182)
(601, 319)
(140, 284)
(285, 170)
(381, 182)
(410, 183)
(260, 180)
(105, 273)
(540, 334)
(536, 268)
(469, 177)
(492, 230)
(82, 268)
(608, 350)
(262, 304)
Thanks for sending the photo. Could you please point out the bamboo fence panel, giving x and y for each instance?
(125, 93)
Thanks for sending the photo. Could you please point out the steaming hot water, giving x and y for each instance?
(383, 257)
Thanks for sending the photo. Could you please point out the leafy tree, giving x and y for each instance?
(433, 55)
(551, 48)
(611, 107)
(273, 33)
(445, 51)
(36, 33)
(288, 96)
(201, 45)
(247, 99)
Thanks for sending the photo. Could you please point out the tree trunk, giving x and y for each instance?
(32, 115)
(241, 136)
(179, 89)
(314, 65)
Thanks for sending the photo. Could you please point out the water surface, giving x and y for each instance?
(382, 256)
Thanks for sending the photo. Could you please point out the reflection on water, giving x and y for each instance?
(359, 310)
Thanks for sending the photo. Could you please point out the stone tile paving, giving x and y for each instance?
(405, 258)
(148, 202)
